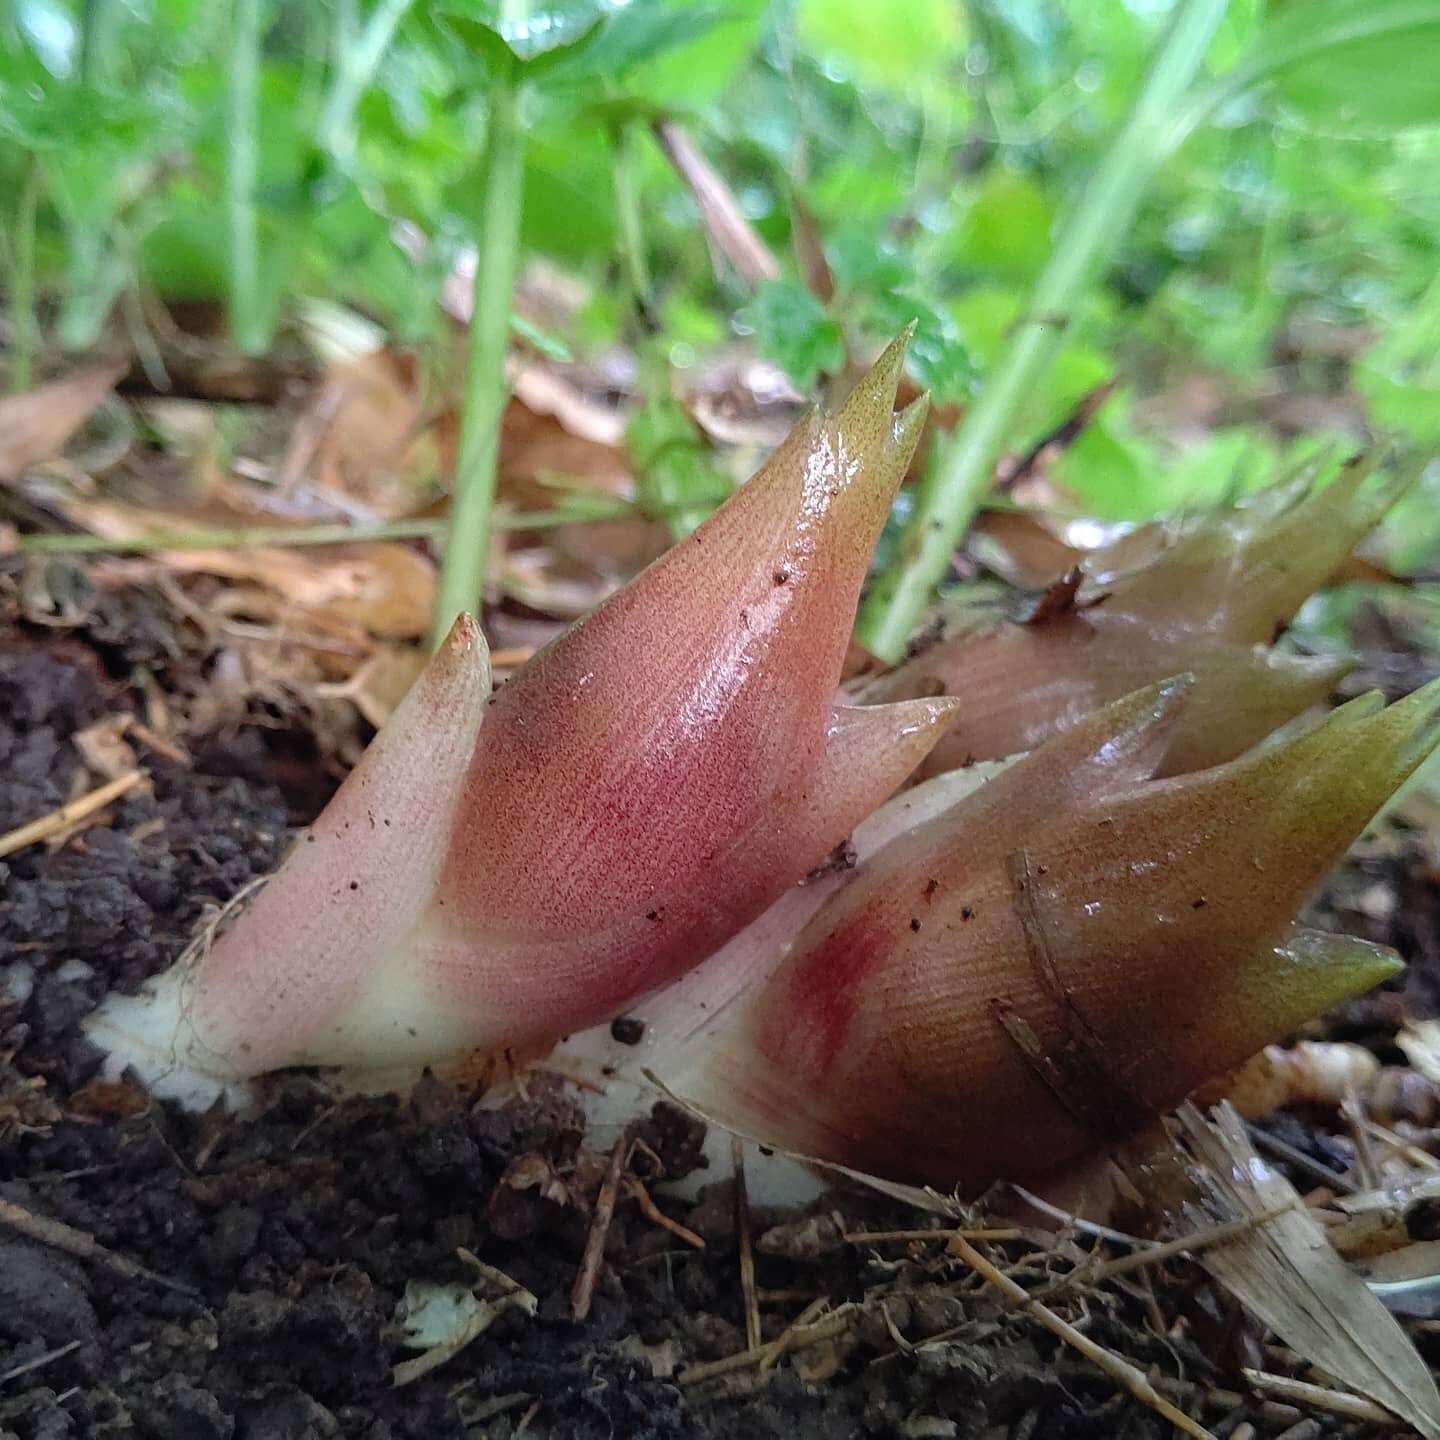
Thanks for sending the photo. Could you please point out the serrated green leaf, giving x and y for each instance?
(793, 328)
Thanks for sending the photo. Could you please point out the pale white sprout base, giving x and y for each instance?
(150, 1033)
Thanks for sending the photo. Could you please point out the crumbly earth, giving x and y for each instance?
(296, 1232)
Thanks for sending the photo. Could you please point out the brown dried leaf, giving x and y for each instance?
(1030, 554)
(383, 587)
(1420, 1040)
(109, 1100)
(1286, 1273)
(104, 748)
(381, 682)
(362, 433)
(36, 425)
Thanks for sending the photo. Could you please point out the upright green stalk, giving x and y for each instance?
(24, 326)
(672, 475)
(249, 325)
(97, 41)
(356, 60)
(631, 230)
(462, 574)
(954, 488)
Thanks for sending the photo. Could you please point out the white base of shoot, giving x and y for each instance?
(150, 1034)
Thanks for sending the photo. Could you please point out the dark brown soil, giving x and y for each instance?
(297, 1232)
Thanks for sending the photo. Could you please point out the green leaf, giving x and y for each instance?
(698, 72)
(793, 329)
(890, 46)
(1353, 64)
(1113, 471)
(569, 193)
(641, 31)
(51, 34)
(1007, 228)
(938, 356)
(482, 41)
(863, 258)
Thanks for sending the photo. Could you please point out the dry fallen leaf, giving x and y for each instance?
(1420, 1040)
(1286, 1272)
(36, 425)
(381, 682)
(386, 588)
(104, 748)
(363, 433)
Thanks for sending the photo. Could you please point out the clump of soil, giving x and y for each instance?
(294, 1234)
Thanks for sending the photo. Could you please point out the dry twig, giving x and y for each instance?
(1318, 1397)
(876, 1237)
(59, 1353)
(72, 813)
(747, 1249)
(582, 1295)
(83, 1246)
(782, 1342)
(1166, 1250)
(827, 1328)
(653, 1213)
(1121, 1371)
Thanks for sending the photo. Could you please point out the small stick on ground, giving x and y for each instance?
(1282, 1150)
(826, 1328)
(1054, 442)
(1120, 1371)
(775, 1351)
(159, 744)
(1421, 1159)
(747, 1249)
(83, 1246)
(34, 831)
(876, 1237)
(16, 1371)
(656, 1216)
(1365, 1165)
(1090, 1276)
(582, 1294)
(1318, 1397)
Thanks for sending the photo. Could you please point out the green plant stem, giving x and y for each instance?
(957, 483)
(356, 62)
(631, 231)
(97, 41)
(249, 326)
(462, 574)
(24, 325)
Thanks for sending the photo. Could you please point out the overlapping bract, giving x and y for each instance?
(1208, 597)
(502, 869)
(1040, 970)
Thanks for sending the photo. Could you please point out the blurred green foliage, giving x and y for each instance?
(1288, 247)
